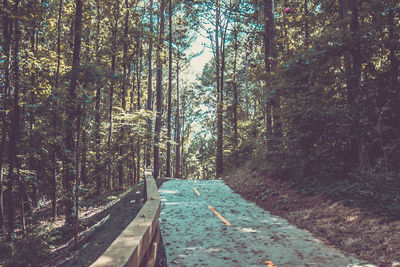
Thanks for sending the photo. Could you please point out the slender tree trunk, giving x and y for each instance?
(218, 163)
(132, 163)
(247, 85)
(6, 48)
(22, 196)
(355, 82)
(149, 86)
(83, 164)
(124, 86)
(14, 132)
(168, 163)
(139, 70)
(138, 76)
(32, 98)
(70, 174)
(77, 180)
(125, 57)
(222, 83)
(177, 125)
(353, 75)
(54, 120)
(132, 166)
(267, 56)
(113, 78)
(133, 84)
(235, 89)
(182, 146)
(159, 92)
(2, 215)
(97, 137)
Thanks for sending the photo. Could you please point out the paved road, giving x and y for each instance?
(196, 231)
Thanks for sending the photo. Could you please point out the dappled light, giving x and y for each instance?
(293, 104)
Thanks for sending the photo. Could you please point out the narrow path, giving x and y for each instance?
(195, 220)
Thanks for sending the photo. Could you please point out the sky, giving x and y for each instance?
(197, 63)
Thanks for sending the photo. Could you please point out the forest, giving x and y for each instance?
(93, 91)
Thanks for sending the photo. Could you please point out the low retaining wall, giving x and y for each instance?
(137, 244)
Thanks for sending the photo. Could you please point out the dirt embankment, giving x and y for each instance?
(370, 237)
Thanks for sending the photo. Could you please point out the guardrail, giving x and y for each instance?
(137, 244)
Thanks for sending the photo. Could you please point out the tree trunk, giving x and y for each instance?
(14, 132)
(177, 125)
(22, 196)
(169, 114)
(2, 214)
(6, 48)
(113, 78)
(267, 56)
(218, 163)
(97, 138)
(69, 176)
(77, 180)
(159, 92)
(352, 63)
(139, 70)
(54, 120)
(182, 146)
(83, 176)
(235, 89)
(124, 86)
(133, 172)
(149, 106)
(32, 98)
(138, 77)
(247, 85)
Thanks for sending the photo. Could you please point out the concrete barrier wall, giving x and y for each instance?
(137, 244)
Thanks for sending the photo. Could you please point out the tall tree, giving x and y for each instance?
(268, 28)
(218, 158)
(125, 82)
(6, 48)
(13, 172)
(177, 123)
(114, 31)
(235, 85)
(149, 106)
(169, 103)
(55, 117)
(159, 91)
(139, 69)
(97, 137)
(72, 115)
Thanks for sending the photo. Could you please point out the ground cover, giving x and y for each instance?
(370, 236)
(50, 243)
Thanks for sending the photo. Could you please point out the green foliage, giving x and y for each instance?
(31, 248)
(325, 116)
